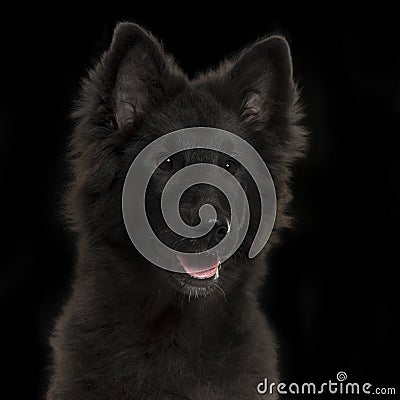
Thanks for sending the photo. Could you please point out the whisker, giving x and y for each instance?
(220, 288)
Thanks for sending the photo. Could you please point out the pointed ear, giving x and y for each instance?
(262, 75)
(132, 78)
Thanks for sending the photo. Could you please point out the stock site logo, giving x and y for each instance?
(142, 169)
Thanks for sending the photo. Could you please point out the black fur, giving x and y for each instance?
(131, 330)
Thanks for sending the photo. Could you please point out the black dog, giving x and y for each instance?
(135, 331)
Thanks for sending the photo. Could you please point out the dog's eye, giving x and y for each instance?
(231, 166)
(167, 164)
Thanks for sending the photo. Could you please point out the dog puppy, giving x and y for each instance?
(131, 330)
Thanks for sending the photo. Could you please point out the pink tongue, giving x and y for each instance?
(197, 272)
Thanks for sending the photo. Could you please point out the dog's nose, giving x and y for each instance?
(219, 230)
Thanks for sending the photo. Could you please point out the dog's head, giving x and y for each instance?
(135, 95)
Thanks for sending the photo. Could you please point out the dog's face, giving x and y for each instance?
(137, 94)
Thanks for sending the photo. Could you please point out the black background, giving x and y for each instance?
(332, 290)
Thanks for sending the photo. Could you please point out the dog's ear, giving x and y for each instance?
(132, 78)
(145, 74)
(262, 76)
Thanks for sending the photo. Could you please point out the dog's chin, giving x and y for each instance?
(196, 287)
(193, 287)
(200, 275)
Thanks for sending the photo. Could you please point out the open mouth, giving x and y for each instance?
(205, 268)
